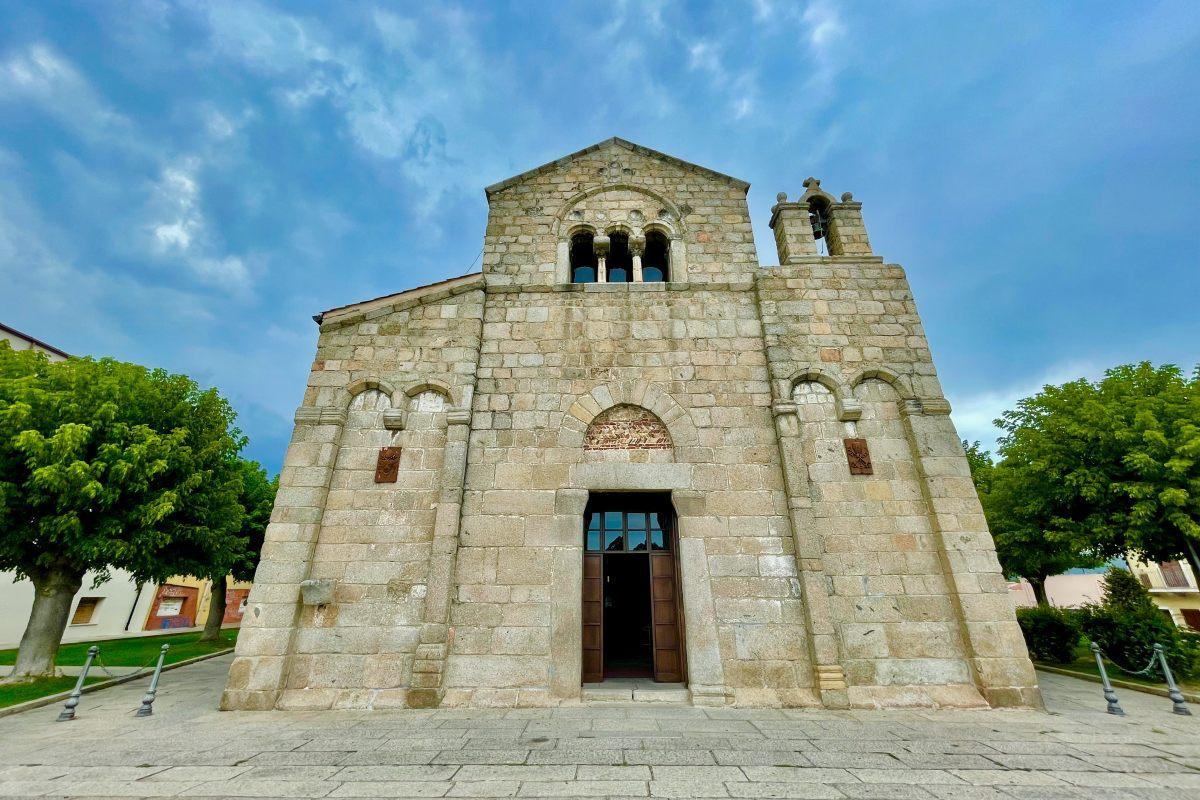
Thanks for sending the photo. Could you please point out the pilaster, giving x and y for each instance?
(433, 649)
(809, 543)
(266, 643)
(706, 673)
(994, 646)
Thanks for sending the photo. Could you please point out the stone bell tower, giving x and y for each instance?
(898, 565)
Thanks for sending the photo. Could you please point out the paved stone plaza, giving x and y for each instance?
(189, 749)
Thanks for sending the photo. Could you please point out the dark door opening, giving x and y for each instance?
(632, 620)
(628, 652)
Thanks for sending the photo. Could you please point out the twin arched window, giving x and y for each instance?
(613, 259)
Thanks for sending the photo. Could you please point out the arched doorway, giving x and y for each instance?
(632, 611)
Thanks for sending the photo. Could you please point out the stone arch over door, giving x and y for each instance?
(652, 397)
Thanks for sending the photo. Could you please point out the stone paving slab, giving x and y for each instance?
(187, 749)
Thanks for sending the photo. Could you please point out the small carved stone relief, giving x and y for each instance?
(859, 456)
(387, 468)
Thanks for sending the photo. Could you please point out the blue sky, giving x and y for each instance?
(185, 184)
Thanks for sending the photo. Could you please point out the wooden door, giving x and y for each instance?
(593, 618)
(664, 610)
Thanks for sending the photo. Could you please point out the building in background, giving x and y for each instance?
(182, 602)
(1173, 587)
(23, 341)
(116, 607)
(1072, 589)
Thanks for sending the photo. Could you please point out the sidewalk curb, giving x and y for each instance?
(1191, 697)
(51, 699)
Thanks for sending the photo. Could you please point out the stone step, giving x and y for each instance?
(635, 691)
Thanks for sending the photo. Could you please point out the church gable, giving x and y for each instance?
(618, 189)
(609, 159)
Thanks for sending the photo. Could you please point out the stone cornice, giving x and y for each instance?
(308, 415)
(927, 406)
(621, 288)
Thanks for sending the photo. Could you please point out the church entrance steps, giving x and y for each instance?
(635, 690)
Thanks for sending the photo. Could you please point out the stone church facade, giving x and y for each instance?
(626, 449)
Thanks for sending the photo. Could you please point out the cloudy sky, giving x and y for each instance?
(185, 184)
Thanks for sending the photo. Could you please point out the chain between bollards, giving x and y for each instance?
(148, 701)
(1113, 706)
(1179, 707)
(68, 712)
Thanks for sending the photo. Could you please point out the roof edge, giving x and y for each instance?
(414, 293)
(35, 341)
(617, 140)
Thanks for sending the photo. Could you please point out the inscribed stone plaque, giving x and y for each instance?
(387, 468)
(859, 456)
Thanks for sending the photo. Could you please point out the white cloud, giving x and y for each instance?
(434, 78)
(824, 25)
(183, 236)
(975, 413)
(41, 76)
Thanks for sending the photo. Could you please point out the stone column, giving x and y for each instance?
(637, 246)
(266, 643)
(810, 548)
(705, 672)
(995, 649)
(601, 244)
(793, 230)
(433, 650)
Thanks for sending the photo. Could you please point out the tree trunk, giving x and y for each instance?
(1039, 590)
(216, 611)
(53, 593)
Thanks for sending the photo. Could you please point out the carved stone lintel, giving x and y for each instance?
(394, 419)
(858, 455)
(849, 409)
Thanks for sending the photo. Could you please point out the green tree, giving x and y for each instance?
(1113, 466)
(256, 497)
(106, 465)
(1026, 547)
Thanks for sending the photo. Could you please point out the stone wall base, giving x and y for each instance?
(944, 696)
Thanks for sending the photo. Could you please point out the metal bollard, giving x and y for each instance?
(1113, 706)
(1173, 692)
(148, 701)
(68, 712)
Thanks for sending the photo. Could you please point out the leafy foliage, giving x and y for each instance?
(1024, 545)
(1111, 467)
(106, 464)
(1050, 633)
(257, 499)
(1126, 625)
